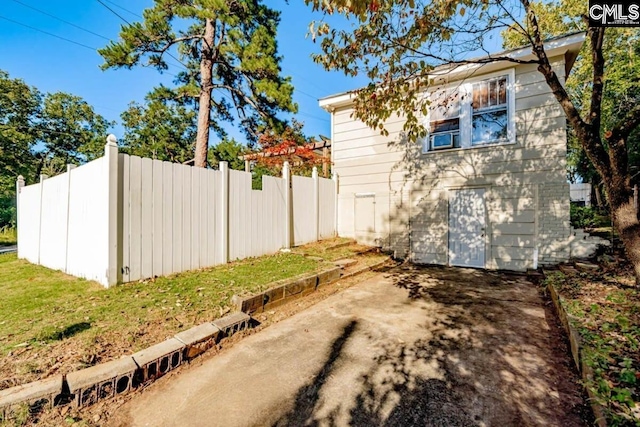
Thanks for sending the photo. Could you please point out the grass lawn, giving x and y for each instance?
(604, 307)
(54, 323)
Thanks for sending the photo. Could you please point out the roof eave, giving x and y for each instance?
(553, 47)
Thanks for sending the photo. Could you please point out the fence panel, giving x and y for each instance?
(239, 206)
(273, 211)
(53, 222)
(327, 206)
(303, 213)
(170, 218)
(29, 223)
(87, 245)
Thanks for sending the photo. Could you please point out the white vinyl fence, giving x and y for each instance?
(122, 218)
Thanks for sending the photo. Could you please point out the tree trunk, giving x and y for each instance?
(627, 224)
(204, 102)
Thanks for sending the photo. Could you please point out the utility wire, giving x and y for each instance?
(113, 11)
(122, 8)
(60, 19)
(48, 33)
(129, 23)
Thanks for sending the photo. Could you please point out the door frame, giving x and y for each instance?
(487, 225)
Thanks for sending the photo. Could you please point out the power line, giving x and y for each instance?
(305, 93)
(313, 117)
(128, 23)
(120, 7)
(60, 19)
(48, 33)
(113, 11)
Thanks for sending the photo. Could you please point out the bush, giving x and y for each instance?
(588, 217)
(7, 212)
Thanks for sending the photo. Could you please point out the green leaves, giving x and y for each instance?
(234, 42)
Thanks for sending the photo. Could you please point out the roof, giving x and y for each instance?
(313, 145)
(561, 45)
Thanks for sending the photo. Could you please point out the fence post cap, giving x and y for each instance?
(20, 178)
(112, 141)
(314, 172)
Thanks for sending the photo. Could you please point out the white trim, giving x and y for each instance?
(465, 89)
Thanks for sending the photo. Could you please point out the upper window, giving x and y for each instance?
(489, 106)
(473, 113)
(444, 120)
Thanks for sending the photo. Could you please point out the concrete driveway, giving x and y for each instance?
(413, 346)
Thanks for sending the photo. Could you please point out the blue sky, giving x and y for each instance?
(52, 64)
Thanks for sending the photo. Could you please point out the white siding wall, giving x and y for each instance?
(410, 188)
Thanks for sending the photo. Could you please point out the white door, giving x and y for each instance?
(467, 224)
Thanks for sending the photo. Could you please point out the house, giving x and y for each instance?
(487, 188)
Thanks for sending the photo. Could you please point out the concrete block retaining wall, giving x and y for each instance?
(285, 290)
(87, 386)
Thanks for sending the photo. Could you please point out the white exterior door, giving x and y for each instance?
(467, 225)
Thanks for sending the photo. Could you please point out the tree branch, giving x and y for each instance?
(625, 126)
(596, 36)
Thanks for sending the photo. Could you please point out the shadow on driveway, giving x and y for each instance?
(488, 352)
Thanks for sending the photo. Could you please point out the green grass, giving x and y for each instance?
(40, 306)
(608, 321)
(8, 236)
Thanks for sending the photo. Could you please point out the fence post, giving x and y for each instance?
(288, 209)
(336, 181)
(19, 185)
(111, 162)
(224, 211)
(316, 201)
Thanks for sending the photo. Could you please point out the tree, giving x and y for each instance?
(397, 43)
(621, 51)
(227, 150)
(20, 106)
(161, 129)
(69, 131)
(290, 145)
(230, 54)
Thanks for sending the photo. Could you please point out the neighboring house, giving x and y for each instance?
(580, 194)
(487, 188)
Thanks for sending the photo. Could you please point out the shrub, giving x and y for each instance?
(588, 217)
(7, 212)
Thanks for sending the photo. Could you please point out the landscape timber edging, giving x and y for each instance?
(289, 289)
(341, 245)
(285, 290)
(87, 386)
(574, 339)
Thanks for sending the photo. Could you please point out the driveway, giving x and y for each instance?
(8, 249)
(413, 346)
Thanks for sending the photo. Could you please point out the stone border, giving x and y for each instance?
(285, 290)
(289, 289)
(88, 386)
(574, 340)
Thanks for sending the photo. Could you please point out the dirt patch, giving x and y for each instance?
(604, 307)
